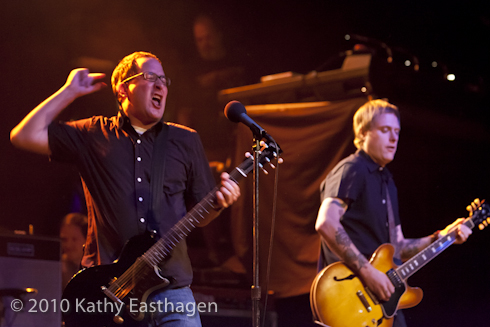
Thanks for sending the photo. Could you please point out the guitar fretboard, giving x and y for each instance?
(413, 265)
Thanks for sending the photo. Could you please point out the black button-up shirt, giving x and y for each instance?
(114, 163)
(361, 184)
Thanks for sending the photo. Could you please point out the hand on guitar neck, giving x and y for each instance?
(462, 231)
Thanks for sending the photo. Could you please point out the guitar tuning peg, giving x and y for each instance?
(262, 168)
(270, 163)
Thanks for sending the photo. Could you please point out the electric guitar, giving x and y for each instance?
(116, 294)
(338, 297)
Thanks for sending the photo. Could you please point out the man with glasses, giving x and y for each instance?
(114, 158)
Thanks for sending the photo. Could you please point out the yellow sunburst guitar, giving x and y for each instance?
(338, 297)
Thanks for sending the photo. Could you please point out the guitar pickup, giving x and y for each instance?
(361, 297)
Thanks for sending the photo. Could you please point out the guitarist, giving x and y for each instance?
(359, 197)
(114, 158)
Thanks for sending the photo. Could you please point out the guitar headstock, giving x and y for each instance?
(268, 152)
(481, 216)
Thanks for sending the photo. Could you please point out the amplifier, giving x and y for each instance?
(30, 281)
(231, 307)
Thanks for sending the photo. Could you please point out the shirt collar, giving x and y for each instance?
(123, 122)
(372, 166)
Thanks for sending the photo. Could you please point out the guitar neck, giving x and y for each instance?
(413, 265)
(205, 208)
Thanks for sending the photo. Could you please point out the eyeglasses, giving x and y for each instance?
(152, 77)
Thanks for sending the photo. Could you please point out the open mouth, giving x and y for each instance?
(157, 100)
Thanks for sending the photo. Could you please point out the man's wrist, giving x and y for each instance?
(218, 208)
(435, 236)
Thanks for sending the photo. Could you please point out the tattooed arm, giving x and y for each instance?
(411, 246)
(329, 226)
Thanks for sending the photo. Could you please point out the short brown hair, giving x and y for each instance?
(127, 67)
(366, 114)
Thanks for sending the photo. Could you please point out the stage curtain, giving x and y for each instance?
(314, 136)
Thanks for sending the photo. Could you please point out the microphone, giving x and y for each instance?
(235, 111)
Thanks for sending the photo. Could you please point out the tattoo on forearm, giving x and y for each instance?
(350, 257)
(362, 260)
(342, 238)
(354, 261)
(411, 247)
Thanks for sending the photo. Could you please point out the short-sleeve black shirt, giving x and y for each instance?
(360, 183)
(114, 163)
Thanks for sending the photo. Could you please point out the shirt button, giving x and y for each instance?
(140, 199)
(138, 158)
(138, 141)
(142, 220)
(138, 179)
(384, 201)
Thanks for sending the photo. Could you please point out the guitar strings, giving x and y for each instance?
(127, 281)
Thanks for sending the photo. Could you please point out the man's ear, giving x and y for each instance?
(362, 136)
(122, 90)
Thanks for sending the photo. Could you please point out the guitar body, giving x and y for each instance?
(90, 306)
(339, 299)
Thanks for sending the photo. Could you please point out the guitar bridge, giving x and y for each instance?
(361, 297)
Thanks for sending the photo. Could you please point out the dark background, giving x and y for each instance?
(442, 163)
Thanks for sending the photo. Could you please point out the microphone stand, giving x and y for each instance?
(255, 291)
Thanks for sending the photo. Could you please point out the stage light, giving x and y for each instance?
(408, 63)
(434, 64)
(451, 77)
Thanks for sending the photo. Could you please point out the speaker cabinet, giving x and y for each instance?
(30, 277)
(230, 307)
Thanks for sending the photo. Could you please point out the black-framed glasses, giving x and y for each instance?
(152, 77)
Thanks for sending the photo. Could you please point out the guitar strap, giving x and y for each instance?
(392, 226)
(157, 177)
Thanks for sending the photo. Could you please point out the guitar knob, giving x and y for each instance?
(118, 320)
